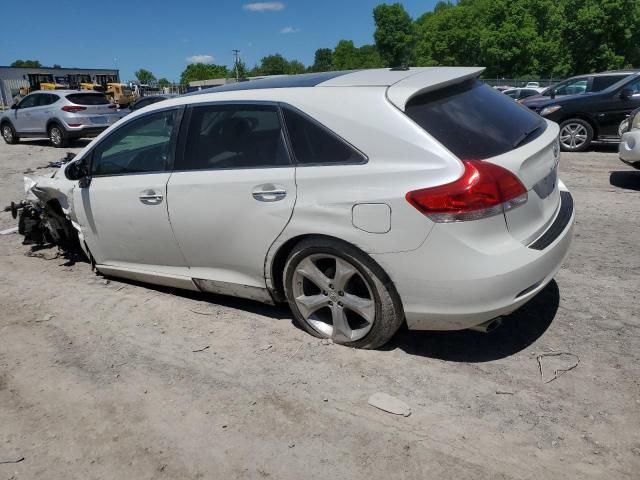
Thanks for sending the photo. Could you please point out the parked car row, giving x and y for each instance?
(589, 107)
(65, 115)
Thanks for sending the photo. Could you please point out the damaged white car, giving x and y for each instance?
(363, 199)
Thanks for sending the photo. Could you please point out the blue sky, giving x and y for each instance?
(161, 35)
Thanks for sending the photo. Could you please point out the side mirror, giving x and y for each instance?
(626, 93)
(14, 106)
(79, 171)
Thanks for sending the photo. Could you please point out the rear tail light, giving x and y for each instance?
(73, 108)
(484, 190)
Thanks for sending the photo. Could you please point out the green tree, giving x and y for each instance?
(145, 77)
(393, 34)
(295, 67)
(27, 64)
(241, 70)
(163, 82)
(322, 60)
(274, 65)
(602, 34)
(55, 65)
(347, 56)
(202, 71)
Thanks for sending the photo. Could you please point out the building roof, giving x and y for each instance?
(64, 68)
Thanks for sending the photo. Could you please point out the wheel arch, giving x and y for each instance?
(585, 117)
(54, 121)
(277, 264)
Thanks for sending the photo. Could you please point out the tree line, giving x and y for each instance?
(511, 38)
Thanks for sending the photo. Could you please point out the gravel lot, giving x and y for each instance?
(99, 380)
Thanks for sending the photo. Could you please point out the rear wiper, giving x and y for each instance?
(526, 135)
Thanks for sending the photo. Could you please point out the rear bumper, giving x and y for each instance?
(85, 131)
(466, 274)
(629, 149)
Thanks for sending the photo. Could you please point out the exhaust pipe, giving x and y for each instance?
(488, 326)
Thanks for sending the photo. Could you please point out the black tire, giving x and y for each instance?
(9, 134)
(389, 315)
(577, 135)
(57, 136)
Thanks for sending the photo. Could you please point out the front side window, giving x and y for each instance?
(633, 86)
(142, 145)
(29, 101)
(234, 136)
(576, 86)
(313, 144)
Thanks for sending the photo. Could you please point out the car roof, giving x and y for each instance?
(403, 83)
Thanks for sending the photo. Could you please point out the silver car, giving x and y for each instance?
(60, 115)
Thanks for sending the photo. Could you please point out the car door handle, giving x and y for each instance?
(150, 197)
(269, 193)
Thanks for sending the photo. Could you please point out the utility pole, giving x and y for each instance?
(236, 56)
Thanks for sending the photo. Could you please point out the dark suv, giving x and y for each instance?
(589, 107)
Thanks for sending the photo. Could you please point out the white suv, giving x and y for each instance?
(364, 199)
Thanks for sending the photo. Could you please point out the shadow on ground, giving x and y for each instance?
(625, 179)
(44, 142)
(518, 331)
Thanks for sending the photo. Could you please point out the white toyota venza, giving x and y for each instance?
(364, 199)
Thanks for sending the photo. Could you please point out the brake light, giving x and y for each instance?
(73, 108)
(484, 190)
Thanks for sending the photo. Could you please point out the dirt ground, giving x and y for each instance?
(102, 379)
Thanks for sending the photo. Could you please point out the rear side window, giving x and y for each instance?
(88, 99)
(234, 136)
(600, 83)
(314, 144)
(474, 121)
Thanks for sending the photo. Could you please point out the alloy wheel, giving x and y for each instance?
(7, 133)
(573, 135)
(333, 297)
(55, 135)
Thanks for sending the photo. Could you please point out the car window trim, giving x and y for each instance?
(186, 125)
(172, 143)
(365, 158)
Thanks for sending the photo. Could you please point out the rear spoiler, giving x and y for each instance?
(432, 79)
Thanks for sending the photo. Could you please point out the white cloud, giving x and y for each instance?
(199, 59)
(264, 6)
(289, 30)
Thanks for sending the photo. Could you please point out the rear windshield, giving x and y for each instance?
(475, 121)
(88, 99)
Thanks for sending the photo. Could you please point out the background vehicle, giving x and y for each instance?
(532, 85)
(593, 114)
(91, 87)
(61, 115)
(146, 101)
(521, 93)
(282, 190)
(629, 149)
(120, 94)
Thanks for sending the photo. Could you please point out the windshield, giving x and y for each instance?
(575, 86)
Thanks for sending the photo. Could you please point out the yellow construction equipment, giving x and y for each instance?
(119, 93)
(94, 87)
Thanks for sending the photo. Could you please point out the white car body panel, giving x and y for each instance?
(121, 230)
(629, 149)
(222, 229)
(209, 232)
